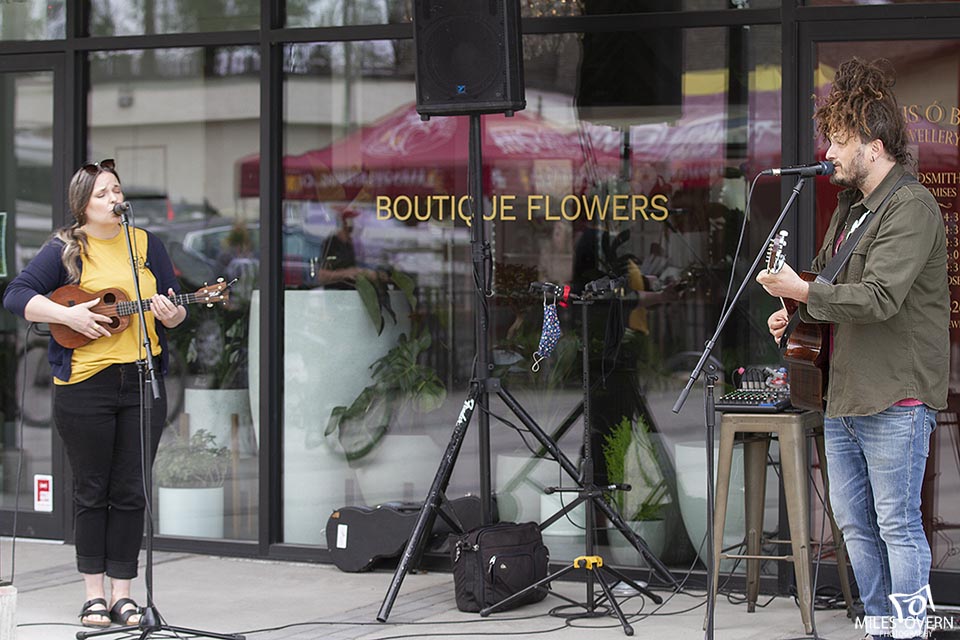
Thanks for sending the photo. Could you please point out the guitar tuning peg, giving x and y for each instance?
(219, 279)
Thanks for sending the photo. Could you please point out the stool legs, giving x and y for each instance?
(839, 546)
(724, 462)
(755, 481)
(793, 463)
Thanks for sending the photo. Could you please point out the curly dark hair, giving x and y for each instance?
(861, 102)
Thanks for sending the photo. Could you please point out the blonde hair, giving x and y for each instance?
(73, 237)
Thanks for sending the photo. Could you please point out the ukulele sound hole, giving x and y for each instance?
(109, 298)
(114, 322)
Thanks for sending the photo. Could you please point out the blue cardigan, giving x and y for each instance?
(46, 272)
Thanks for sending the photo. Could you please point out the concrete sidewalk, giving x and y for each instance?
(258, 597)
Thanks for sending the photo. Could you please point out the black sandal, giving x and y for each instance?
(90, 608)
(121, 617)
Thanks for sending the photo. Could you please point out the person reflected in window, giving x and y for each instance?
(889, 311)
(238, 262)
(614, 363)
(96, 397)
(336, 267)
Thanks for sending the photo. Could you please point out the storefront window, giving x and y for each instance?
(668, 162)
(328, 13)
(171, 16)
(26, 219)
(178, 122)
(26, 20)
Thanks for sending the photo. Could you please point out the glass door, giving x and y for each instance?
(927, 69)
(33, 475)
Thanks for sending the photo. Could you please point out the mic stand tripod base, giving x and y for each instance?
(150, 623)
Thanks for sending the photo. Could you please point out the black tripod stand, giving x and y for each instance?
(150, 619)
(480, 386)
(593, 495)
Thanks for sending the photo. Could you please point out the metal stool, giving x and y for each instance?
(792, 430)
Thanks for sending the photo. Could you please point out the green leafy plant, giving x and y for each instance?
(632, 458)
(194, 462)
(398, 376)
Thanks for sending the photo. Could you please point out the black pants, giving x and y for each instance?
(99, 421)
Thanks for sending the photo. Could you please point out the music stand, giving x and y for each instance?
(480, 386)
(150, 619)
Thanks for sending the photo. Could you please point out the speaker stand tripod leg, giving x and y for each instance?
(428, 512)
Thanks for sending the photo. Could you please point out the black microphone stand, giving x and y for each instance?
(710, 419)
(150, 619)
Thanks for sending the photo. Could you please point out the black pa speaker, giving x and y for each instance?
(469, 57)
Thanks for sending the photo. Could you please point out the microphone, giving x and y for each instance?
(605, 284)
(822, 168)
(121, 208)
(547, 287)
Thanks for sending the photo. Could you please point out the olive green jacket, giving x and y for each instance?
(890, 306)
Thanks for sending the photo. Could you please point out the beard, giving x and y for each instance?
(854, 173)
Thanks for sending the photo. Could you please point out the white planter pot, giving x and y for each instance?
(191, 512)
(653, 532)
(522, 502)
(213, 411)
(573, 523)
(691, 465)
(329, 345)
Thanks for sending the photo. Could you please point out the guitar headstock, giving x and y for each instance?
(217, 292)
(776, 256)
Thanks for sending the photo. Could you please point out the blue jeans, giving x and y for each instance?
(876, 465)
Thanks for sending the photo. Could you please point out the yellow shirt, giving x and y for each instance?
(108, 265)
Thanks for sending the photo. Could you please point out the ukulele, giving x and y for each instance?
(115, 304)
(805, 346)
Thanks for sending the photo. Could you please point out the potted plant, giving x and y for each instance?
(632, 458)
(215, 349)
(398, 377)
(189, 472)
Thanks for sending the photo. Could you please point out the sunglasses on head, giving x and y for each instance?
(93, 168)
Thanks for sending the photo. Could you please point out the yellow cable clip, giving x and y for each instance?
(589, 561)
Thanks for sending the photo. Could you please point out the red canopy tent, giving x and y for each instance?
(402, 155)
(525, 154)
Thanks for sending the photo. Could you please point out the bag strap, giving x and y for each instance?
(829, 273)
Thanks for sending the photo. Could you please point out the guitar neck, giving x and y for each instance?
(129, 307)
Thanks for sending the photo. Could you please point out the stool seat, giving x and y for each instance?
(792, 431)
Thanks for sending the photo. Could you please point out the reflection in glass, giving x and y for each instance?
(178, 121)
(173, 16)
(370, 190)
(26, 215)
(26, 20)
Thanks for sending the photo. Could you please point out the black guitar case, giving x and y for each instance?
(359, 536)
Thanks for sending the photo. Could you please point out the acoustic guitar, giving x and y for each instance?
(115, 304)
(805, 346)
